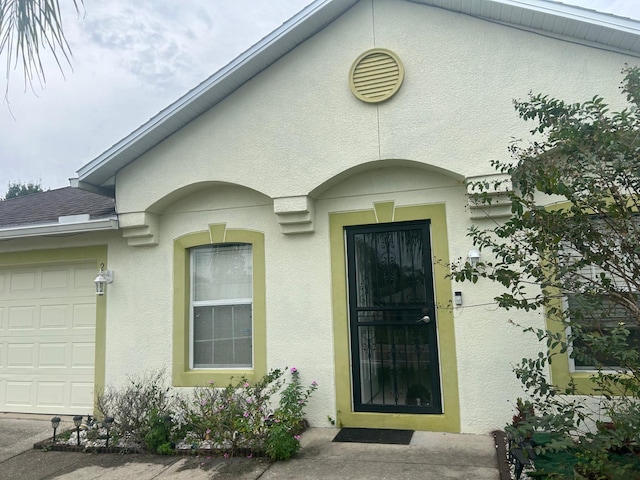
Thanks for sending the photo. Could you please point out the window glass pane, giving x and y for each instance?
(223, 322)
(242, 321)
(599, 316)
(203, 353)
(222, 272)
(222, 352)
(230, 328)
(242, 351)
(203, 323)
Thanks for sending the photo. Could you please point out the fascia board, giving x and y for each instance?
(42, 229)
(556, 9)
(571, 12)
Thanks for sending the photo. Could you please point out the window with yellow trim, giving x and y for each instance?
(600, 301)
(221, 306)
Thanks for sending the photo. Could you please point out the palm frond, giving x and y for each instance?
(28, 28)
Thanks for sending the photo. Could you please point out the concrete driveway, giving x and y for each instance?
(429, 456)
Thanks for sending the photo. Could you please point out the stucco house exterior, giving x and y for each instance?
(300, 208)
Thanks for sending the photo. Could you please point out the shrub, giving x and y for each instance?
(137, 408)
(265, 417)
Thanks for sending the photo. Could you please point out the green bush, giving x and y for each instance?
(136, 408)
(265, 417)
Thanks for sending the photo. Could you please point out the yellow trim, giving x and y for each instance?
(384, 211)
(449, 421)
(80, 254)
(182, 375)
(561, 375)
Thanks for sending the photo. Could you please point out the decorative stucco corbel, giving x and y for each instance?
(140, 228)
(487, 196)
(295, 214)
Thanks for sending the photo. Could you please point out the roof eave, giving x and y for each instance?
(38, 230)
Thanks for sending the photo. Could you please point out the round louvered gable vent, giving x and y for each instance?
(376, 75)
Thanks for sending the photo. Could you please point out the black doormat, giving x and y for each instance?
(374, 435)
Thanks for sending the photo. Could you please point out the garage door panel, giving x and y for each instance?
(22, 318)
(55, 279)
(52, 394)
(21, 355)
(47, 339)
(57, 395)
(74, 317)
(83, 355)
(81, 395)
(19, 393)
(52, 355)
(83, 278)
(84, 315)
(54, 316)
(23, 283)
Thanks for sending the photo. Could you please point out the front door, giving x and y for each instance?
(392, 315)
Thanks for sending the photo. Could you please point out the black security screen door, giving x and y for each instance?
(393, 319)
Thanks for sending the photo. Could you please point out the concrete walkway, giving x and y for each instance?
(430, 456)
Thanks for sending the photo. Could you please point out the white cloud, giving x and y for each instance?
(130, 60)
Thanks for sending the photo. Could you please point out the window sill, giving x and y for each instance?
(220, 377)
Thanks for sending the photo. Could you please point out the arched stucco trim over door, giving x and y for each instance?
(337, 177)
(449, 420)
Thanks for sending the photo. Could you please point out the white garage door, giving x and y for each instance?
(47, 338)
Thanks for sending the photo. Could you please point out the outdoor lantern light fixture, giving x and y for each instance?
(77, 421)
(104, 277)
(474, 257)
(55, 423)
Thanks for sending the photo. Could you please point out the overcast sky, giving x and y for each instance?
(130, 60)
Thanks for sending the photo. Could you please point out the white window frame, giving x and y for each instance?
(573, 368)
(214, 303)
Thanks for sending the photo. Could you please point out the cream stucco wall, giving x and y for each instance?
(296, 130)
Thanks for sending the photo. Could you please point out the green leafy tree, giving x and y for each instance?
(571, 249)
(29, 27)
(19, 189)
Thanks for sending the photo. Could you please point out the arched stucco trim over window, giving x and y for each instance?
(387, 212)
(182, 374)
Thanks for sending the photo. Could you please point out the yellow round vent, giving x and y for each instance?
(376, 75)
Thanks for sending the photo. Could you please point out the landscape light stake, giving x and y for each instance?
(55, 423)
(107, 423)
(77, 421)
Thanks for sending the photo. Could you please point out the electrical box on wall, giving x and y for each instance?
(457, 298)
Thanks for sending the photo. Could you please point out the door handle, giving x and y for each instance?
(424, 319)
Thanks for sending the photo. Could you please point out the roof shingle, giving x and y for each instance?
(46, 207)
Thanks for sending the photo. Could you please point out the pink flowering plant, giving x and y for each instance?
(231, 418)
(248, 418)
(288, 418)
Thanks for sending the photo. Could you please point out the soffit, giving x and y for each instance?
(556, 19)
